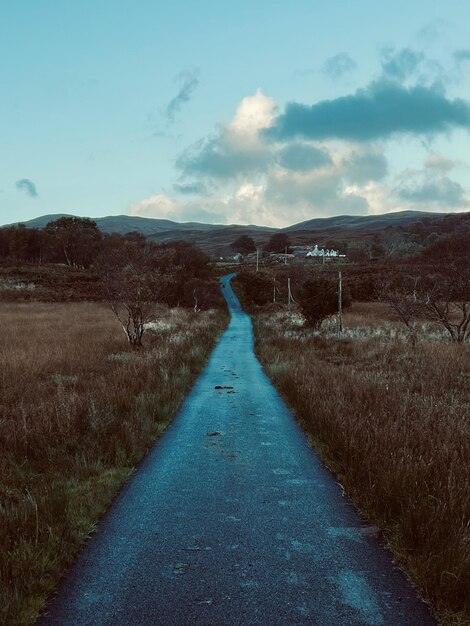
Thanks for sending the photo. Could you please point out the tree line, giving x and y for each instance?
(75, 241)
(136, 275)
(425, 238)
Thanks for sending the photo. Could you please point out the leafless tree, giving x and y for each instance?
(445, 299)
(403, 299)
(134, 284)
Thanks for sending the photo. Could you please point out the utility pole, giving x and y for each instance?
(274, 291)
(257, 259)
(289, 295)
(340, 304)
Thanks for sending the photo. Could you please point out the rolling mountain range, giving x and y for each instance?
(216, 238)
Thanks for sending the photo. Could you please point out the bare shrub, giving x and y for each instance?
(445, 299)
(318, 298)
(402, 298)
(442, 297)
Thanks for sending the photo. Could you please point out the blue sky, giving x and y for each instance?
(249, 112)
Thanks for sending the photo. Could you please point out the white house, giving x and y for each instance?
(322, 252)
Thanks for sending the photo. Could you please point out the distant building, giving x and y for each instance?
(322, 252)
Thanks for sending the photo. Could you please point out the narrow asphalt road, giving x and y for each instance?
(233, 520)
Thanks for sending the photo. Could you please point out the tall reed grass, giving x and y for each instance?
(78, 410)
(393, 422)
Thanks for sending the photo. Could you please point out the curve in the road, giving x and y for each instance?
(233, 520)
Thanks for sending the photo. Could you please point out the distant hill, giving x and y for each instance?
(363, 222)
(215, 239)
(125, 224)
(209, 237)
(146, 225)
(39, 222)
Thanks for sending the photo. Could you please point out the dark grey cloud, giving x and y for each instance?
(462, 55)
(338, 65)
(363, 167)
(382, 109)
(401, 64)
(188, 189)
(303, 157)
(219, 158)
(443, 191)
(26, 185)
(188, 81)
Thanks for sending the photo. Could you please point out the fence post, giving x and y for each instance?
(340, 304)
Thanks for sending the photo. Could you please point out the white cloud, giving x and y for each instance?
(252, 115)
(238, 175)
(379, 198)
(156, 206)
(237, 148)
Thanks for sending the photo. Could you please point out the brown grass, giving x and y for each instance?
(393, 422)
(78, 410)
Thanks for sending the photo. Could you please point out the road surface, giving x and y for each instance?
(233, 520)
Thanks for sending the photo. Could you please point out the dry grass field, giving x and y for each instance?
(78, 410)
(393, 422)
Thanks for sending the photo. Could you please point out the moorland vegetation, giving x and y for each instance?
(81, 401)
(385, 402)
